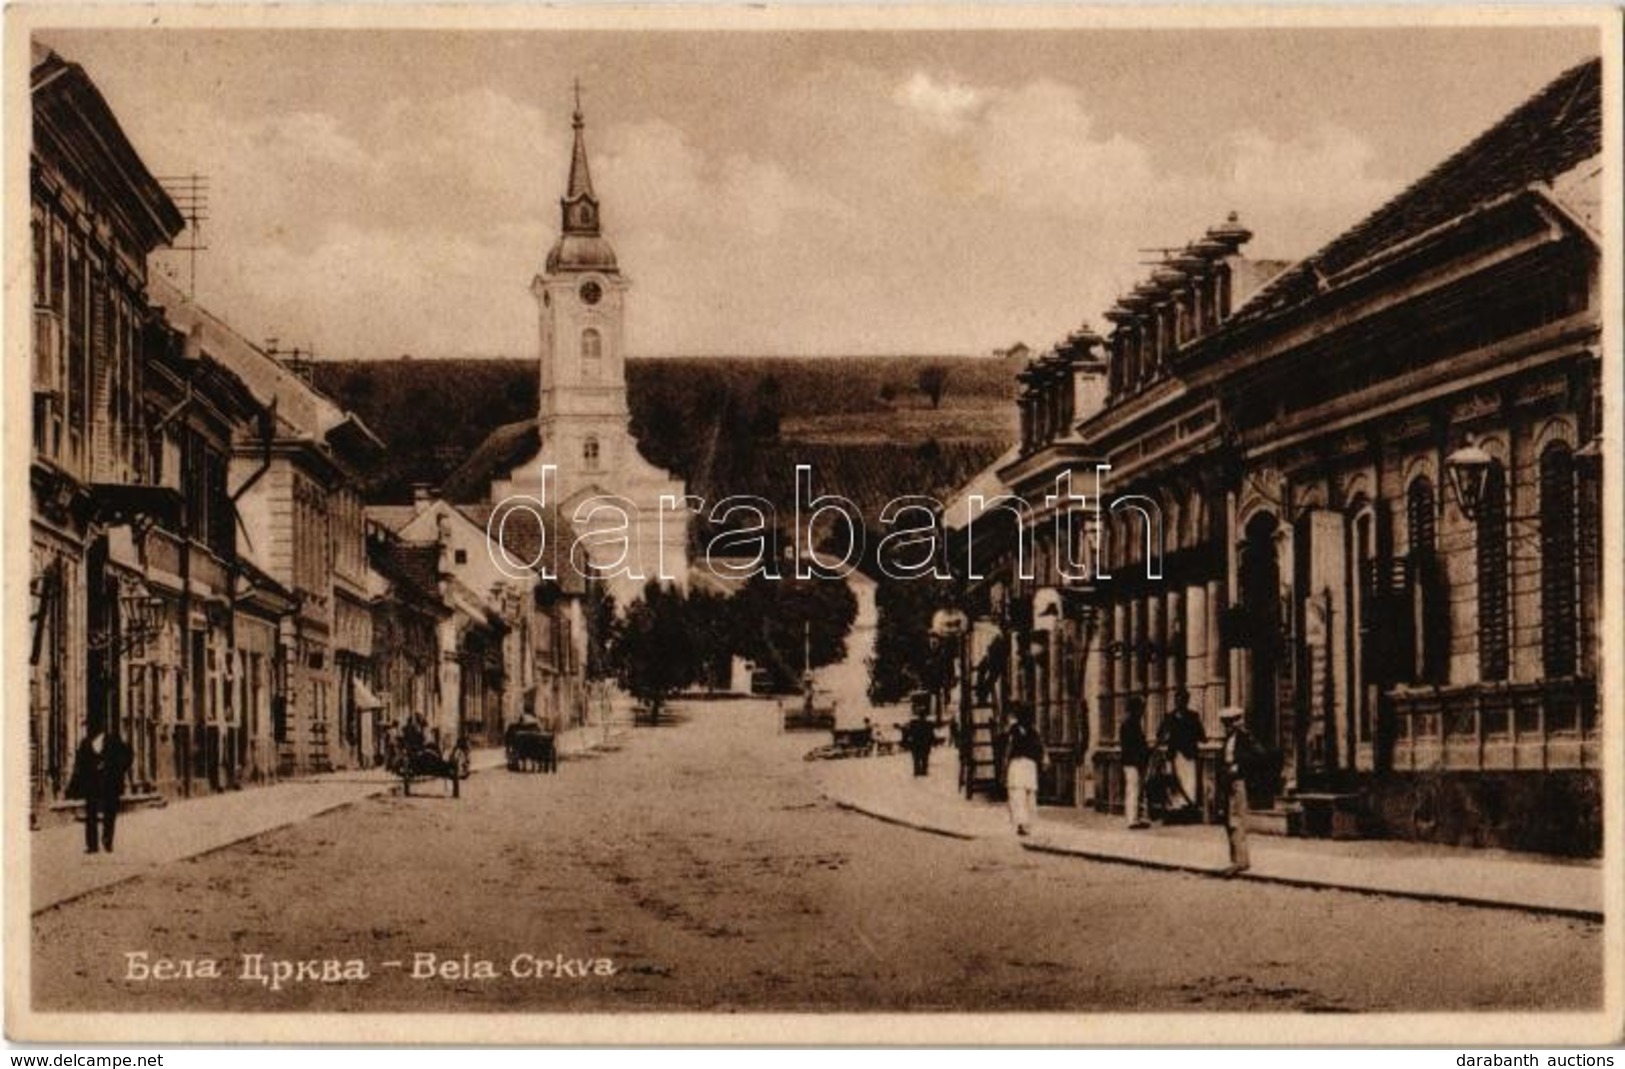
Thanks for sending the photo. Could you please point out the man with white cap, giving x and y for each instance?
(1235, 761)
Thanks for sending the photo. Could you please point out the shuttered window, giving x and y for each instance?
(1558, 582)
(1430, 598)
(1493, 622)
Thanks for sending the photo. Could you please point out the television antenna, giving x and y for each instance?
(190, 192)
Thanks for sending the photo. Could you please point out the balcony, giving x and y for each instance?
(1539, 726)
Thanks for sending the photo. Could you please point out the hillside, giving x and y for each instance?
(727, 425)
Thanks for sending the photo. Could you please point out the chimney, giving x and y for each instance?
(422, 495)
(1088, 367)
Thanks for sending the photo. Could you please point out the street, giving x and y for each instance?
(695, 866)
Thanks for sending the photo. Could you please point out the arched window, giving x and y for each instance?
(1558, 581)
(1493, 621)
(592, 352)
(589, 453)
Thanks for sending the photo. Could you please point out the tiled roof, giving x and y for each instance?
(416, 566)
(1546, 136)
(522, 537)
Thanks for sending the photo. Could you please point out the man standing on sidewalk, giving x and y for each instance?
(1136, 755)
(1023, 756)
(919, 735)
(1181, 736)
(99, 767)
(1235, 761)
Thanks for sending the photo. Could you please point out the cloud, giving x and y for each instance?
(945, 104)
(865, 210)
(1301, 192)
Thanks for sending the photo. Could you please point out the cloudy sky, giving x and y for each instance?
(380, 193)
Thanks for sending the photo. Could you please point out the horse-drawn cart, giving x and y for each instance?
(530, 747)
(423, 761)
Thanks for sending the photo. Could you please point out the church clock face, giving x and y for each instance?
(591, 293)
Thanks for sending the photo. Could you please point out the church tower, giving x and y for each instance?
(581, 300)
(586, 452)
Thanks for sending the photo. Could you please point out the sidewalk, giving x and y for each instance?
(883, 788)
(150, 838)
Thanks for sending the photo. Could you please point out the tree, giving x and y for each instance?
(711, 627)
(933, 382)
(783, 622)
(902, 661)
(769, 409)
(653, 655)
(603, 628)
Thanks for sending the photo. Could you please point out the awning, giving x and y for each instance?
(364, 697)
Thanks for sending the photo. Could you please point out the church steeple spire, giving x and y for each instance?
(581, 245)
(580, 205)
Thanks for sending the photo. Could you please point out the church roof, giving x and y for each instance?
(503, 450)
(581, 245)
(580, 177)
(581, 252)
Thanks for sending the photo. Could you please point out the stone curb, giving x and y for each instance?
(391, 785)
(1219, 871)
(902, 822)
(214, 848)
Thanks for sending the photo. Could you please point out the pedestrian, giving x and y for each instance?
(412, 734)
(1136, 753)
(919, 735)
(990, 668)
(1180, 737)
(100, 766)
(1024, 755)
(1237, 758)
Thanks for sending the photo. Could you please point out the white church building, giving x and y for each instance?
(579, 458)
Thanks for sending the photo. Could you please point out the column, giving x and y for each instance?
(1195, 652)
(1213, 695)
(1156, 638)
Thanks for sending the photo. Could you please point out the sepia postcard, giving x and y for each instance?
(674, 524)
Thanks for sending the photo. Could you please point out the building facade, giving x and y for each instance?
(295, 482)
(1358, 496)
(96, 214)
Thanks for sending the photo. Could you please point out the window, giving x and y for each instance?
(589, 453)
(1366, 605)
(41, 260)
(1493, 622)
(1558, 523)
(78, 355)
(460, 556)
(1430, 603)
(57, 285)
(592, 352)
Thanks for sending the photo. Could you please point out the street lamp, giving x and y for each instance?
(1469, 469)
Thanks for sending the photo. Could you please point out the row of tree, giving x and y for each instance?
(669, 640)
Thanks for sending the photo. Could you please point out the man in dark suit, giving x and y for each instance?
(99, 767)
(1136, 753)
(919, 735)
